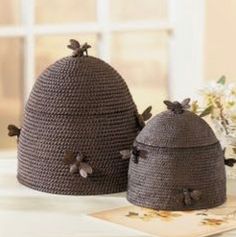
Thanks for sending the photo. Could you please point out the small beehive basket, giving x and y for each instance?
(177, 163)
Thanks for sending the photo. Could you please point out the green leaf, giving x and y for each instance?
(206, 111)
(222, 80)
(194, 106)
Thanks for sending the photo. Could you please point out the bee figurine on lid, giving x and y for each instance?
(176, 163)
(78, 117)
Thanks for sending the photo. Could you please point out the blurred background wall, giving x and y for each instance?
(132, 35)
(220, 39)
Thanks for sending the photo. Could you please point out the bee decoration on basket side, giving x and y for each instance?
(134, 153)
(229, 161)
(189, 196)
(78, 164)
(13, 130)
(141, 118)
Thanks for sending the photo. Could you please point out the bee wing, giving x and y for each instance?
(74, 169)
(86, 167)
(196, 195)
(70, 46)
(69, 157)
(187, 199)
(140, 120)
(83, 173)
(13, 130)
(86, 46)
(74, 44)
(147, 113)
(169, 104)
(179, 198)
(230, 162)
(186, 107)
(125, 154)
(185, 103)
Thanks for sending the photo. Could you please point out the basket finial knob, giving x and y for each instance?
(78, 50)
(177, 107)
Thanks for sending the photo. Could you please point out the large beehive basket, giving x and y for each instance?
(79, 115)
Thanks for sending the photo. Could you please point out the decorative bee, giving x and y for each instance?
(189, 196)
(141, 118)
(177, 107)
(134, 154)
(13, 131)
(78, 50)
(78, 164)
(230, 161)
(85, 48)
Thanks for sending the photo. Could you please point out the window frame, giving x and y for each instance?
(183, 62)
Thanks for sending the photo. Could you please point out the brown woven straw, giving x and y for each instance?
(79, 115)
(177, 163)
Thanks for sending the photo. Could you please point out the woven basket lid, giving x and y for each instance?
(80, 85)
(177, 127)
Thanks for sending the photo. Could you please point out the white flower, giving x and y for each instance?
(231, 99)
(231, 111)
(230, 89)
(214, 89)
(227, 91)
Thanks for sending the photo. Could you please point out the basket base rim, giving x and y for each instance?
(209, 206)
(120, 189)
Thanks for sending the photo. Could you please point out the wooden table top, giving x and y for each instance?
(28, 213)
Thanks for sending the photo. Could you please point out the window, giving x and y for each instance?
(141, 39)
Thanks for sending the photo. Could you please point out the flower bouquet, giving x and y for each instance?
(218, 105)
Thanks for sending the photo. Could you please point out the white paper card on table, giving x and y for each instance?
(198, 223)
